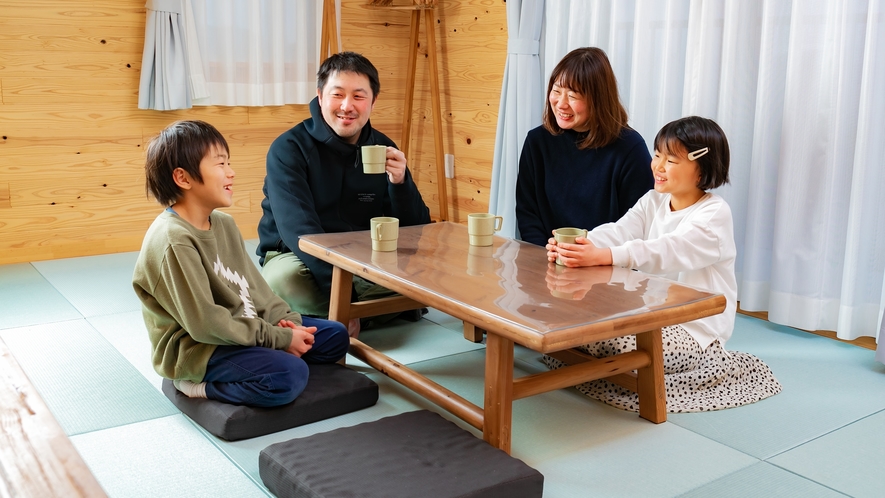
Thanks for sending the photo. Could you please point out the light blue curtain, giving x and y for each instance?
(165, 80)
(522, 100)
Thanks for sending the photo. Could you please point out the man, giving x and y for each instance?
(315, 184)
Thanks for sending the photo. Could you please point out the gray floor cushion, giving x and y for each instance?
(331, 390)
(412, 454)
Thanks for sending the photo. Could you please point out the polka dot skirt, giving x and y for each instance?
(697, 380)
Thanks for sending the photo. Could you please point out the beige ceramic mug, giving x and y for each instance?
(567, 235)
(385, 231)
(481, 228)
(374, 159)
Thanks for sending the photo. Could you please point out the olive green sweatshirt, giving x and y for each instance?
(200, 289)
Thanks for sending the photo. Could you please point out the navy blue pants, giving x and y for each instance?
(257, 376)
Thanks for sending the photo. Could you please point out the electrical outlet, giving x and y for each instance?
(450, 166)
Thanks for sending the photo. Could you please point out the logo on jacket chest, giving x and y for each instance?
(367, 197)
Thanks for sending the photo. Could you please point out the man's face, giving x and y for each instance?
(346, 103)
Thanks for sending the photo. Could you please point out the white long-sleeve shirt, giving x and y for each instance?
(694, 245)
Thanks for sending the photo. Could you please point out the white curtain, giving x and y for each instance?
(522, 100)
(797, 87)
(171, 72)
(259, 53)
(230, 53)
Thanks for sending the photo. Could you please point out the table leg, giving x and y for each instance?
(498, 410)
(473, 333)
(650, 379)
(339, 301)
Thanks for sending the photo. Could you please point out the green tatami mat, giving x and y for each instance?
(95, 285)
(127, 333)
(826, 385)
(762, 480)
(442, 319)
(165, 457)
(850, 460)
(411, 342)
(84, 381)
(26, 298)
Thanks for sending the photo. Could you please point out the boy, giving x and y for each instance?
(216, 328)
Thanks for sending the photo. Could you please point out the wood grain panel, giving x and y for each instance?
(54, 13)
(75, 119)
(119, 41)
(121, 91)
(44, 64)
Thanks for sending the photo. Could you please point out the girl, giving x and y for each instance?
(679, 231)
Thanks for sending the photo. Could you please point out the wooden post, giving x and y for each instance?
(430, 26)
(329, 34)
(439, 150)
(410, 81)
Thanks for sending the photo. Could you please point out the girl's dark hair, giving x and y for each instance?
(183, 144)
(588, 72)
(350, 62)
(692, 134)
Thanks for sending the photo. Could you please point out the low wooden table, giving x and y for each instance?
(512, 293)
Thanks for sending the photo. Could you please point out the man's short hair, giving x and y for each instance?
(351, 62)
(183, 144)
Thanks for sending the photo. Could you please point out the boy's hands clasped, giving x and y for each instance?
(302, 337)
(581, 253)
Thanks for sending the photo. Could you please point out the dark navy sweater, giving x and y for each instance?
(560, 185)
(315, 184)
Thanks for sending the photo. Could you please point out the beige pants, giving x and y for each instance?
(292, 280)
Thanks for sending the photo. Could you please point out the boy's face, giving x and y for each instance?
(216, 191)
(346, 103)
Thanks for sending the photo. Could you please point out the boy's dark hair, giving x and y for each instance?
(587, 71)
(694, 133)
(350, 62)
(183, 144)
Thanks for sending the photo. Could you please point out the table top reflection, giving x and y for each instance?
(512, 288)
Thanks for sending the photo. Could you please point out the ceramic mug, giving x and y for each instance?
(384, 231)
(481, 228)
(374, 159)
(567, 235)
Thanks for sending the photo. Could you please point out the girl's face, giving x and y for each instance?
(678, 176)
(569, 107)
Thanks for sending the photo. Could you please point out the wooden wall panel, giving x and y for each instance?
(72, 138)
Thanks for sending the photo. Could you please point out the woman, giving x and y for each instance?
(584, 166)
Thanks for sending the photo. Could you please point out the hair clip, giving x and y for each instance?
(698, 153)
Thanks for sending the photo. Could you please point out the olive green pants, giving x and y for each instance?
(291, 279)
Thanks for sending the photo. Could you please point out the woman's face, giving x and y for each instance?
(569, 107)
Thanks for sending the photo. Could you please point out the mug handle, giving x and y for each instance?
(378, 231)
(499, 222)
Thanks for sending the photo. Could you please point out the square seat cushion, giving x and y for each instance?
(412, 454)
(332, 390)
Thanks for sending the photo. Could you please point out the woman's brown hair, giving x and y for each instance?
(588, 72)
